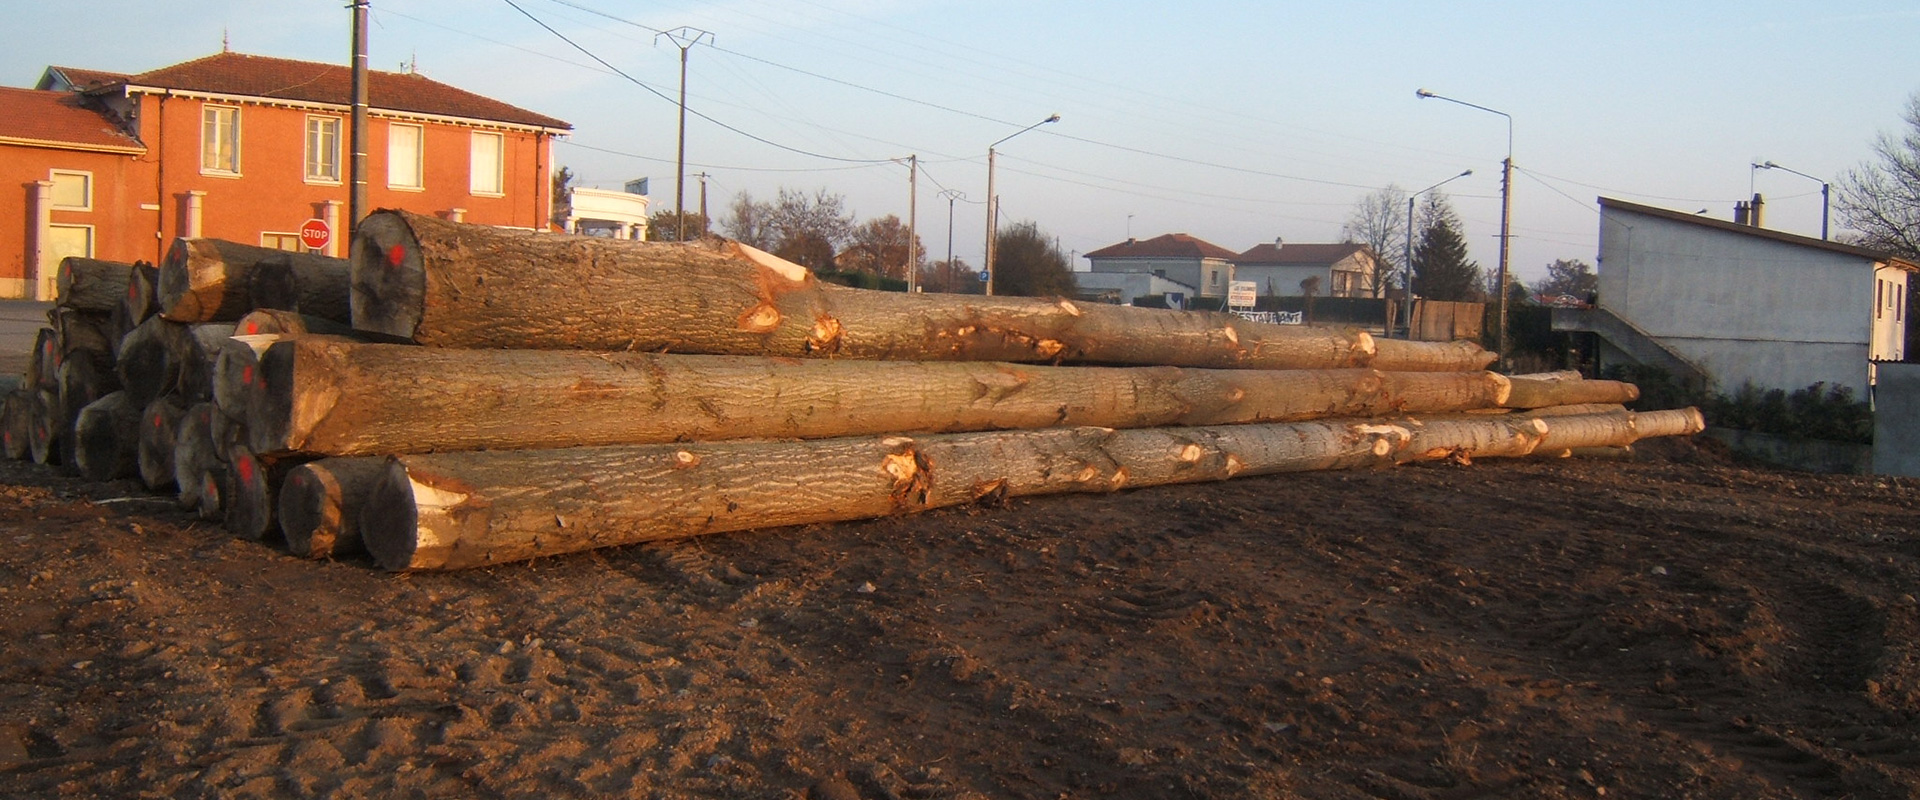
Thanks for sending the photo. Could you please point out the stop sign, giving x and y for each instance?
(315, 234)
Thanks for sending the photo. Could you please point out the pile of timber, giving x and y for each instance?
(455, 395)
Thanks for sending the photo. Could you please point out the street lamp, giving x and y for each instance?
(993, 201)
(1506, 208)
(1406, 266)
(1824, 187)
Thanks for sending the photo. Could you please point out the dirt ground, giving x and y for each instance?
(1675, 626)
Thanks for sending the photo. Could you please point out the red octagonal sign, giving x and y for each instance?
(315, 234)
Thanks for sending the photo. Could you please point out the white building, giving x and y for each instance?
(604, 212)
(1282, 269)
(1172, 263)
(1735, 303)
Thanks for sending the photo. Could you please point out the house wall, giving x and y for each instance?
(120, 229)
(1131, 285)
(1745, 309)
(1277, 280)
(1208, 276)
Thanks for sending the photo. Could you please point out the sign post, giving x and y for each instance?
(315, 234)
(1242, 294)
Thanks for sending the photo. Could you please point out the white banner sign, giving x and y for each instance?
(1275, 317)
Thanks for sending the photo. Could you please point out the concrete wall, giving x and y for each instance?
(1744, 308)
(1896, 421)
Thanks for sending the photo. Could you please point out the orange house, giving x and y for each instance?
(246, 148)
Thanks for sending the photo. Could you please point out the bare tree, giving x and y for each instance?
(750, 223)
(880, 246)
(1880, 199)
(1379, 221)
(805, 229)
(1569, 277)
(952, 277)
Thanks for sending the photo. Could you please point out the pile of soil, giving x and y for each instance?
(1666, 627)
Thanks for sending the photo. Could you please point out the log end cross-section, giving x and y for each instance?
(389, 278)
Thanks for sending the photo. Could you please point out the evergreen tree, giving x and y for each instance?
(1441, 268)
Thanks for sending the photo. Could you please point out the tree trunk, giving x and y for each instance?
(457, 510)
(252, 490)
(1535, 392)
(107, 438)
(207, 280)
(16, 425)
(74, 329)
(453, 285)
(86, 284)
(82, 379)
(309, 286)
(194, 356)
(328, 396)
(146, 365)
(159, 430)
(266, 320)
(194, 452)
(320, 503)
(135, 307)
(236, 373)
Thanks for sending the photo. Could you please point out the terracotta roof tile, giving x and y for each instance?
(286, 79)
(1299, 254)
(59, 118)
(84, 79)
(1171, 245)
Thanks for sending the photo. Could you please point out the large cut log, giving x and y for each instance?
(267, 320)
(74, 329)
(16, 424)
(43, 361)
(195, 452)
(46, 432)
(83, 378)
(308, 286)
(194, 357)
(455, 510)
(87, 284)
(453, 285)
(215, 484)
(320, 503)
(159, 430)
(1539, 392)
(135, 306)
(253, 488)
(335, 397)
(236, 374)
(146, 362)
(107, 438)
(207, 280)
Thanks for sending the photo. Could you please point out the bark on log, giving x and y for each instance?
(456, 510)
(107, 438)
(206, 280)
(146, 365)
(320, 503)
(328, 396)
(16, 424)
(194, 452)
(74, 329)
(308, 286)
(87, 284)
(194, 356)
(265, 320)
(1536, 392)
(454, 285)
(136, 305)
(159, 430)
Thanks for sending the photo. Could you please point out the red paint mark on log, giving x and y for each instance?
(245, 465)
(396, 254)
(246, 374)
(253, 328)
(133, 290)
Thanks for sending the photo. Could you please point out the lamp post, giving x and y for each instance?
(1406, 265)
(684, 38)
(1825, 208)
(993, 201)
(1506, 208)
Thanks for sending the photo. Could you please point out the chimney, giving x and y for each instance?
(1740, 212)
(1753, 211)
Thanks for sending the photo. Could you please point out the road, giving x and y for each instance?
(20, 320)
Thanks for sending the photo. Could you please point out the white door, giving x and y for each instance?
(62, 241)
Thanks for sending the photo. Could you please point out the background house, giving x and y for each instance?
(1278, 269)
(1173, 262)
(1729, 303)
(247, 148)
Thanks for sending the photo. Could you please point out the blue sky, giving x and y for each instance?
(1236, 122)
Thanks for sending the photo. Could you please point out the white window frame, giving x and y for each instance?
(308, 168)
(209, 133)
(419, 170)
(295, 235)
(86, 177)
(476, 171)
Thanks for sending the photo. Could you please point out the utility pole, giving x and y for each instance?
(705, 223)
(684, 38)
(357, 166)
(993, 201)
(913, 218)
(951, 196)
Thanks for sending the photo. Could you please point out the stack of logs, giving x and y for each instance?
(454, 395)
